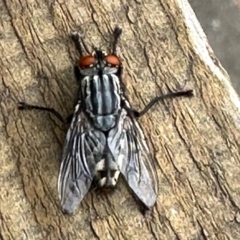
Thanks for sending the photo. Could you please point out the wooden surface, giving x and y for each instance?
(196, 141)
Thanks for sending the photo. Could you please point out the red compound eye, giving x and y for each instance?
(112, 60)
(86, 61)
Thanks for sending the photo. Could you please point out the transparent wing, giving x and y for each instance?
(129, 148)
(82, 147)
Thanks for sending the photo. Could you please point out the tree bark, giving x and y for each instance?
(196, 141)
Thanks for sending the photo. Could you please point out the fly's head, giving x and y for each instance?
(99, 62)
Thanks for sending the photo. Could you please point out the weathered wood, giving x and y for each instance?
(196, 140)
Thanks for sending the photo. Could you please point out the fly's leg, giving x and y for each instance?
(26, 106)
(135, 113)
(116, 35)
(77, 73)
(79, 43)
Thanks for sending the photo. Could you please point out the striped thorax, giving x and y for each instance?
(100, 88)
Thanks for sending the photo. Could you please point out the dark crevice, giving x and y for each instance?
(15, 30)
(203, 233)
(93, 231)
(147, 60)
(173, 230)
(223, 189)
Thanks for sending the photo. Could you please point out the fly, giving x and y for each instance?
(104, 139)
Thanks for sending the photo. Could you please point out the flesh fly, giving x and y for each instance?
(104, 138)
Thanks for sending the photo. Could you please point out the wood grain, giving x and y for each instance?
(196, 141)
